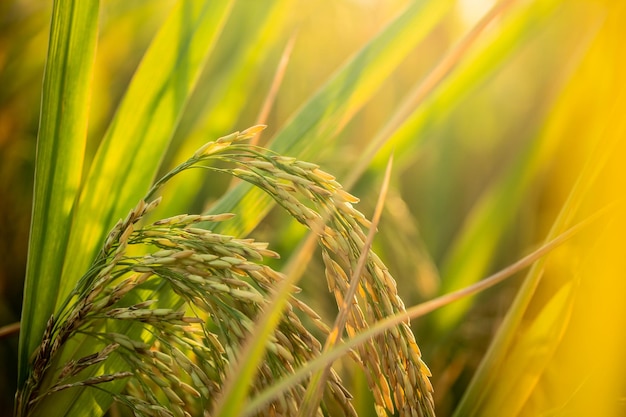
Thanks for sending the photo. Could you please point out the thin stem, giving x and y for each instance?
(270, 98)
(9, 330)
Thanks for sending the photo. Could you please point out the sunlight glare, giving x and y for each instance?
(472, 10)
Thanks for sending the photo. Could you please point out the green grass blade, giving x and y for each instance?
(424, 88)
(520, 26)
(317, 123)
(133, 147)
(60, 147)
(216, 106)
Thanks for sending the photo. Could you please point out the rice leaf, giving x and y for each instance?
(216, 107)
(60, 146)
(142, 127)
(315, 125)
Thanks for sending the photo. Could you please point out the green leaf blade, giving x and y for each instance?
(318, 122)
(215, 107)
(137, 138)
(60, 148)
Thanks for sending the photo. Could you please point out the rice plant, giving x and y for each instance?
(218, 279)
(160, 279)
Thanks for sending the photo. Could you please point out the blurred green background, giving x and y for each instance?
(478, 177)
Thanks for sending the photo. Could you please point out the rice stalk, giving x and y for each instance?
(178, 365)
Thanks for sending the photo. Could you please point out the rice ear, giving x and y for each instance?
(219, 286)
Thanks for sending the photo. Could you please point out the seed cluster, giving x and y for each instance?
(392, 362)
(169, 303)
